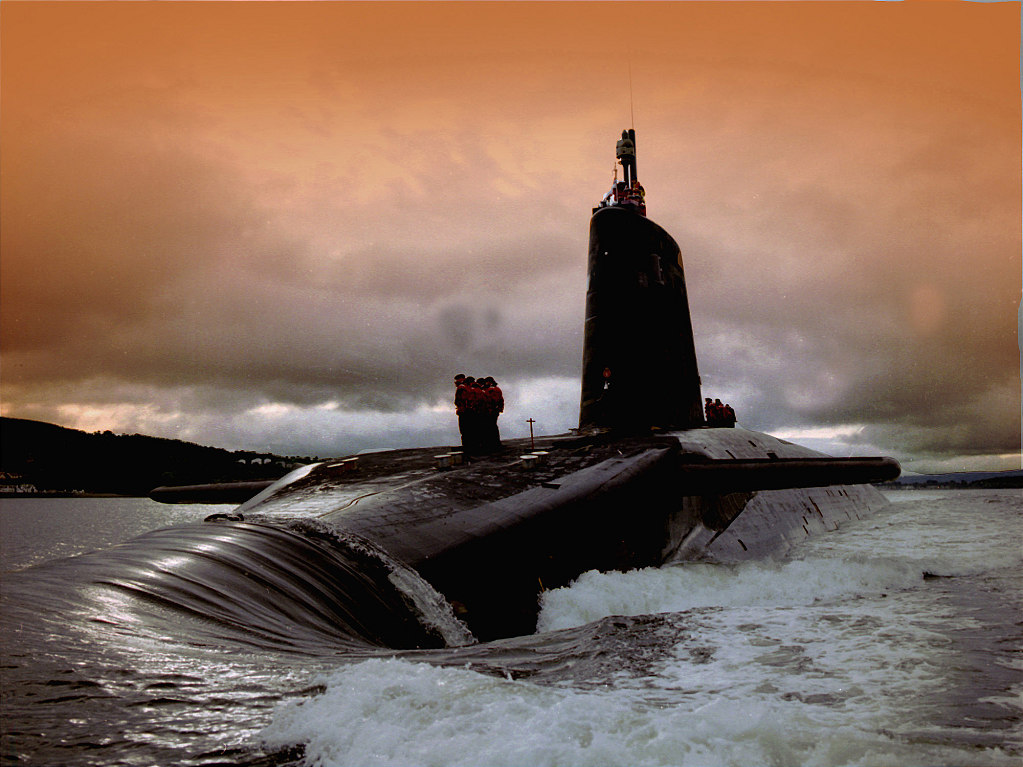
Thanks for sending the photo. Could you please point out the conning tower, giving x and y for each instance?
(639, 358)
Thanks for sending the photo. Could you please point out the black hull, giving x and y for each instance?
(490, 536)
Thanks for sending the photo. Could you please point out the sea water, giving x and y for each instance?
(894, 640)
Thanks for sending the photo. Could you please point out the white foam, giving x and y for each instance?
(674, 589)
(890, 551)
(952, 532)
(393, 712)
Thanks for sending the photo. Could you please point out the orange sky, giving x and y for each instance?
(283, 225)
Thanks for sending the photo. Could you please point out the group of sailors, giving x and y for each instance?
(719, 414)
(478, 403)
(622, 193)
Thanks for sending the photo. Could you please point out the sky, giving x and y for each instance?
(285, 226)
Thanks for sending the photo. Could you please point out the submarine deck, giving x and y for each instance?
(401, 501)
(491, 533)
(394, 491)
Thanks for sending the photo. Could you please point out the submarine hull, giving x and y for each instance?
(492, 535)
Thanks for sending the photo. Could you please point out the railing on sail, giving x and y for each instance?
(625, 195)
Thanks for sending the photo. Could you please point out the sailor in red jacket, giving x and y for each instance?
(462, 409)
(475, 416)
(729, 416)
(495, 406)
(719, 413)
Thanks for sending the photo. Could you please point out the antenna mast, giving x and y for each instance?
(632, 114)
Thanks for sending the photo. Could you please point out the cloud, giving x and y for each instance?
(238, 230)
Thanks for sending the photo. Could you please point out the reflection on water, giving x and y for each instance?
(36, 530)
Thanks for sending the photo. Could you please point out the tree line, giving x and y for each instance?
(57, 459)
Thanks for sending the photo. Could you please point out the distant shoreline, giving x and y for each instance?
(65, 494)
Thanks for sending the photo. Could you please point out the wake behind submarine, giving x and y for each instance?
(643, 481)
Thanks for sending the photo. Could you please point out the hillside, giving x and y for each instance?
(963, 479)
(54, 458)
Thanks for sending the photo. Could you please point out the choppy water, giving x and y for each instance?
(896, 640)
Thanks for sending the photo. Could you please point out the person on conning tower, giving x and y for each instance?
(626, 153)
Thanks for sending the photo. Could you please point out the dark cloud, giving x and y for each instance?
(300, 251)
(877, 289)
(164, 291)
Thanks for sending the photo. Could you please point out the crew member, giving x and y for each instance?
(495, 406)
(462, 410)
(484, 419)
(626, 153)
(729, 417)
(475, 403)
(718, 413)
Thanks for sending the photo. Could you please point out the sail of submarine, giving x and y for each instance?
(642, 482)
(638, 327)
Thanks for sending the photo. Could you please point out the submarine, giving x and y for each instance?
(644, 481)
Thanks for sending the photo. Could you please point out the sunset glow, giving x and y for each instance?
(283, 226)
